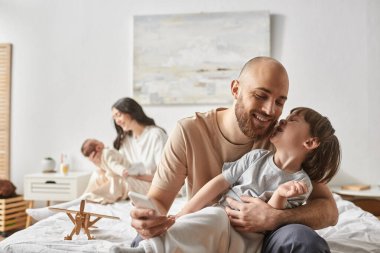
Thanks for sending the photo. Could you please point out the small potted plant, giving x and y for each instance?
(48, 165)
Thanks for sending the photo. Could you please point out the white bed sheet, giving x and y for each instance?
(356, 231)
(47, 235)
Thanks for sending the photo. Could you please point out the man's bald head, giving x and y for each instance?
(266, 67)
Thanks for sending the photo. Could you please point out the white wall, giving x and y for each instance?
(73, 59)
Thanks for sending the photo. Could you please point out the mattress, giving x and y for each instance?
(356, 231)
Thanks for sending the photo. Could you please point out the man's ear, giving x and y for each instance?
(311, 143)
(235, 88)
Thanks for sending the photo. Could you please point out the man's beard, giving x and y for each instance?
(247, 126)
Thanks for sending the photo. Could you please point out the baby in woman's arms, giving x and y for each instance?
(110, 159)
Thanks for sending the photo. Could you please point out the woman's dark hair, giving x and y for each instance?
(134, 109)
(322, 163)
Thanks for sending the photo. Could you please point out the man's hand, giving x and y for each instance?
(254, 215)
(148, 224)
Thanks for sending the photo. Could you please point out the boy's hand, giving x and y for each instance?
(292, 189)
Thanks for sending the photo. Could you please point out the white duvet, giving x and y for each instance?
(356, 231)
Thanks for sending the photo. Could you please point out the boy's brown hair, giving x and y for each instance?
(322, 163)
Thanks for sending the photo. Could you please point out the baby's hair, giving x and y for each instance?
(322, 163)
(88, 147)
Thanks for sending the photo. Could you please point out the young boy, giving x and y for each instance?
(306, 149)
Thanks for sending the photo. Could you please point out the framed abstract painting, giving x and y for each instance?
(192, 58)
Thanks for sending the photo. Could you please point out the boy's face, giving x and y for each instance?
(291, 133)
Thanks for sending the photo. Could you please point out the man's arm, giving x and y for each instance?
(257, 216)
(319, 212)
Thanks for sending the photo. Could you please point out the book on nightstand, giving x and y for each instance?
(355, 187)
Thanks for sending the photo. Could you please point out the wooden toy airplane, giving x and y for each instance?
(82, 220)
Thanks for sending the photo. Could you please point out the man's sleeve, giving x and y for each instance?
(172, 169)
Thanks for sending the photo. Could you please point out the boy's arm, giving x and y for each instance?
(258, 216)
(205, 195)
(286, 190)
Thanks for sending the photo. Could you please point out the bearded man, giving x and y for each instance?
(199, 145)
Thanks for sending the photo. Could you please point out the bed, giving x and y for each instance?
(357, 231)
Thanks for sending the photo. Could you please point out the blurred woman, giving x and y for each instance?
(139, 140)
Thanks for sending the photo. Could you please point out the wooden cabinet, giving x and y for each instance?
(12, 213)
(368, 200)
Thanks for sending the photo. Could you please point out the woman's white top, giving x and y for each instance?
(144, 152)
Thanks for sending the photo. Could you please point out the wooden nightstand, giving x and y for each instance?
(368, 200)
(54, 187)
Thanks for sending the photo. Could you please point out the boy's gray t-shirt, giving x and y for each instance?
(255, 174)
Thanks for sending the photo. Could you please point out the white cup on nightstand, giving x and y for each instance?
(64, 168)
